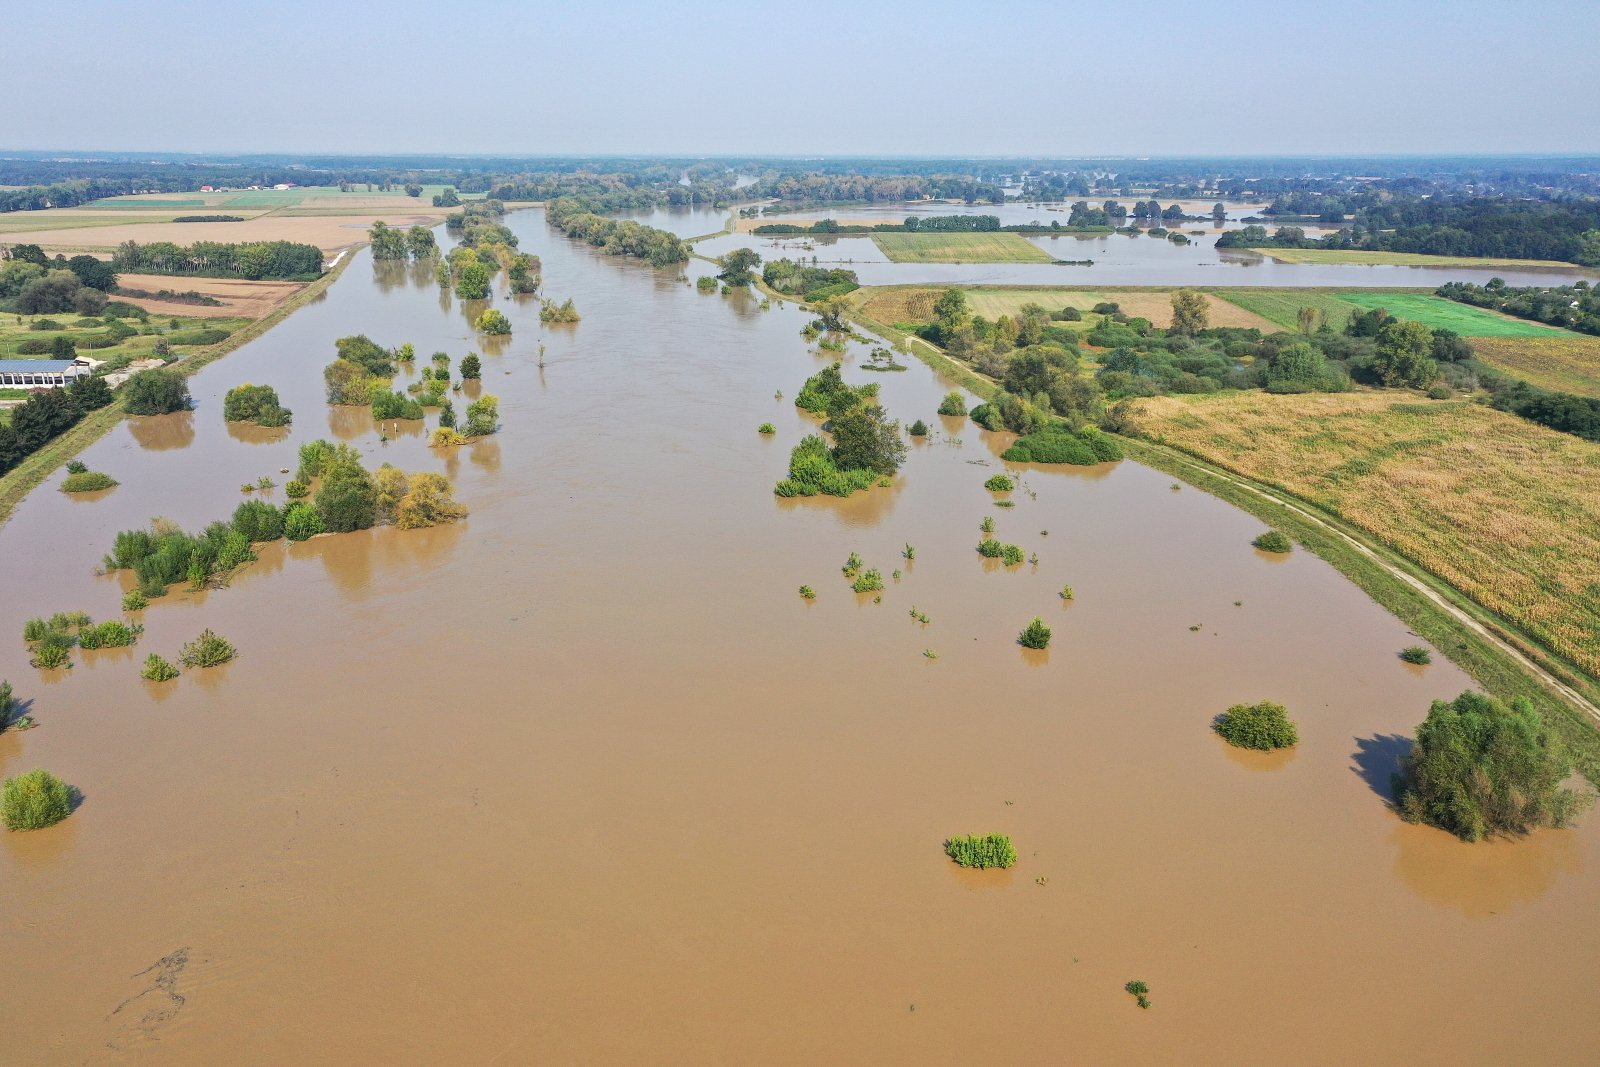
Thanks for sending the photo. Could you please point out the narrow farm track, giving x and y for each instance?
(1465, 618)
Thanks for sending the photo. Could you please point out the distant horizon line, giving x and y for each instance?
(89, 153)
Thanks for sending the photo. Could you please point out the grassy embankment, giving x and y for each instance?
(1401, 471)
(1404, 259)
(32, 472)
(959, 248)
(15, 329)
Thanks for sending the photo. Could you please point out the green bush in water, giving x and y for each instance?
(34, 800)
(134, 600)
(1011, 554)
(87, 482)
(1273, 541)
(953, 404)
(1263, 726)
(301, 521)
(258, 521)
(157, 669)
(210, 649)
(981, 851)
(1480, 768)
(918, 429)
(868, 581)
(1416, 654)
(1060, 445)
(999, 484)
(112, 633)
(1035, 635)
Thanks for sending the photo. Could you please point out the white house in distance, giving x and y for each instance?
(41, 373)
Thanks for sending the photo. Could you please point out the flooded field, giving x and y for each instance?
(1118, 259)
(582, 779)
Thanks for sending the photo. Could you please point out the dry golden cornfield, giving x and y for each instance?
(1506, 511)
(1568, 363)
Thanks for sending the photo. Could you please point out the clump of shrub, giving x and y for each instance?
(483, 416)
(766, 428)
(868, 581)
(86, 481)
(1066, 592)
(1416, 654)
(295, 489)
(157, 669)
(1057, 444)
(987, 525)
(953, 404)
(1273, 541)
(1035, 635)
(301, 521)
(981, 851)
(388, 404)
(113, 633)
(1264, 726)
(825, 393)
(445, 437)
(1000, 483)
(918, 429)
(155, 392)
(706, 283)
(134, 600)
(210, 649)
(494, 323)
(471, 366)
(808, 593)
(550, 311)
(255, 403)
(1139, 991)
(1481, 768)
(9, 706)
(34, 800)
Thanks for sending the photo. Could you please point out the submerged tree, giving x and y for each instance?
(1480, 768)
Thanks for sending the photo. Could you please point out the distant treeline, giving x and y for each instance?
(1575, 307)
(1565, 230)
(860, 187)
(209, 218)
(252, 260)
(577, 217)
(69, 193)
(1567, 412)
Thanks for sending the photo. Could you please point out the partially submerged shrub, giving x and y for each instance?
(851, 565)
(156, 669)
(953, 404)
(1057, 444)
(255, 403)
(1035, 635)
(1140, 992)
(999, 484)
(134, 600)
(1416, 654)
(35, 800)
(210, 649)
(113, 633)
(1480, 768)
(1011, 554)
(868, 581)
(1273, 541)
(766, 428)
(808, 592)
(301, 521)
(494, 323)
(981, 851)
(1262, 726)
(295, 489)
(445, 437)
(87, 482)
(987, 525)
(990, 548)
(918, 429)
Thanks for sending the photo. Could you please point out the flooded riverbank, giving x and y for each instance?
(582, 778)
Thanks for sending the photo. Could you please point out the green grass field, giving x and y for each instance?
(959, 248)
(1282, 306)
(118, 203)
(1398, 259)
(139, 346)
(1437, 313)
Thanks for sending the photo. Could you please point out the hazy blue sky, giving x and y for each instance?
(1166, 77)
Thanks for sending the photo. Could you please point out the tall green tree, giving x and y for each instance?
(1404, 354)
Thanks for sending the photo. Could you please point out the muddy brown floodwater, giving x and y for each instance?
(582, 779)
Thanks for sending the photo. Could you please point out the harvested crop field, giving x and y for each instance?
(1157, 307)
(959, 248)
(1437, 313)
(915, 304)
(1568, 363)
(1402, 259)
(239, 298)
(1502, 509)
